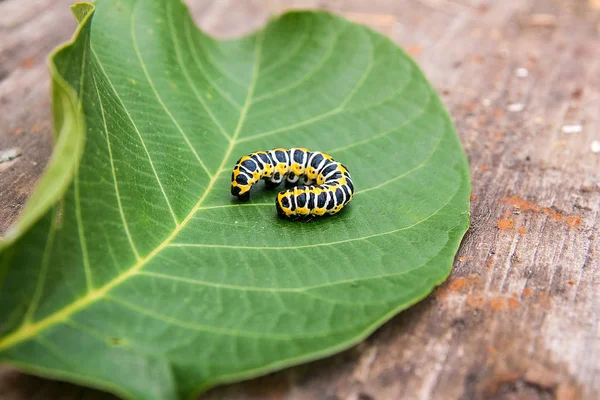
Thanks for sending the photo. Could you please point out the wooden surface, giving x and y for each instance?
(520, 316)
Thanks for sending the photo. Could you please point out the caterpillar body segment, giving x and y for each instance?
(318, 184)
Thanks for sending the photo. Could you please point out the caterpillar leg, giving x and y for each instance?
(244, 197)
(270, 184)
(291, 180)
(274, 181)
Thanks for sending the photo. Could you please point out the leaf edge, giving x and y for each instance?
(69, 142)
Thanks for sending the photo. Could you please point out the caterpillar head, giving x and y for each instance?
(241, 192)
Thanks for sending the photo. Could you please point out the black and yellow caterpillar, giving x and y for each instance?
(327, 185)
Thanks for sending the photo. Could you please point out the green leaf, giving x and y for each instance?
(134, 270)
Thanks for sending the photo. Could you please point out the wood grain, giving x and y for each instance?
(520, 316)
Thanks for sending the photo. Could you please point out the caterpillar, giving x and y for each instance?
(324, 185)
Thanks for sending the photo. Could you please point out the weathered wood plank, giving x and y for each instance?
(27, 35)
(519, 317)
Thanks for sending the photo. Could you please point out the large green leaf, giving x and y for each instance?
(147, 278)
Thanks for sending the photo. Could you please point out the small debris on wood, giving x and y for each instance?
(414, 50)
(573, 221)
(496, 34)
(505, 224)
(522, 72)
(574, 128)
(476, 59)
(577, 93)
(504, 52)
(560, 143)
(10, 154)
(516, 107)
(595, 146)
(542, 20)
(498, 304)
(28, 63)
(514, 304)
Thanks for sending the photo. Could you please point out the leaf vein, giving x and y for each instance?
(160, 100)
(78, 217)
(317, 67)
(224, 72)
(189, 325)
(199, 282)
(307, 246)
(186, 74)
(41, 279)
(324, 115)
(381, 134)
(284, 60)
(162, 189)
(114, 174)
(410, 171)
(198, 62)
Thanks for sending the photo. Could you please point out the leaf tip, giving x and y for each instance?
(81, 10)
